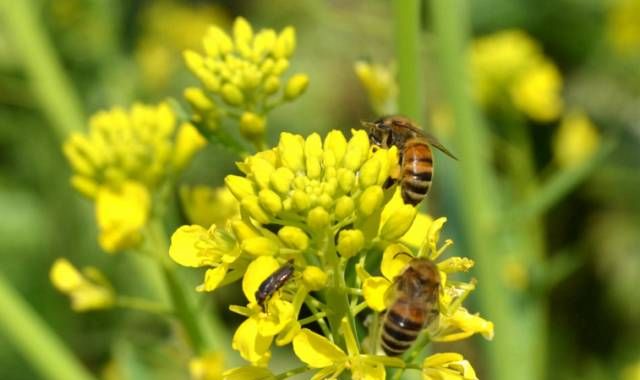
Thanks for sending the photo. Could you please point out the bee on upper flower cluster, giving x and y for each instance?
(416, 158)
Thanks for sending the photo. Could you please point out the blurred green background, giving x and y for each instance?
(117, 52)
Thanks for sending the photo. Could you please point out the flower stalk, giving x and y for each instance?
(407, 44)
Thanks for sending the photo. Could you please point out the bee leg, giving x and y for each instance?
(394, 175)
(389, 182)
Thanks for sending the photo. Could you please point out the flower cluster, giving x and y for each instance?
(88, 290)
(244, 71)
(509, 68)
(124, 158)
(379, 81)
(320, 206)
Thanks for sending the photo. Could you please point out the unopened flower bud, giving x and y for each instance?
(197, 99)
(314, 278)
(252, 126)
(296, 85)
(271, 85)
(346, 179)
(260, 246)
(281, 179)
(294, 237)
(344, 207)
(251, 205)
(270, 201)
(232, 95)
(318, 218)
(369, 173)
(350, 242)
(285, 44)
(398, 223)
(371, 199)
(243, 230)
(240, 187)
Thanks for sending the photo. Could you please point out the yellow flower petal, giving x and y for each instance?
(447, 366)
(64, 276)
(121, 214)
(212, 278)
(416, 234)
(88, 291)
(316, 351)
(207, 367)
(188, 142)
(256, 273)
(394, 259)
(367, 370)
(280, 314)
(249, 372)
(183, 248)
(252, 346)
(374, 290)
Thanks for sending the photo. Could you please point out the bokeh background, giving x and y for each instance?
(117, 52)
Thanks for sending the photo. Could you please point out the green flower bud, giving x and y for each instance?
(260, 246)
(350, 242)
(281, 180)
(318, 218)
(271, 85)
(251, 205)
(270, 201)
(370, 200)
(344, 207)
(252, 126)
(296, 85)
(294, 237)
(232, 95)
(240, 187)
(398, 223)
(314, 278)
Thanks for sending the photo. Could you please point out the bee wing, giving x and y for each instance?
(436, 144)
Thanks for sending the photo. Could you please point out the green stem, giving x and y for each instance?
(46, 75)
(292, 372)
(516, 350)
(557, 187)
(337, 299)
(142, 304)
(407, 45)
(39, 345)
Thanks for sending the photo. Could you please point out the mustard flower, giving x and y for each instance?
(447, 366)
(88, 290)
(242, 74)
(204, 205)
(207, 367)
(623, 26)
(122, 162)
(509, 68)
(379, 82)
(575, 140)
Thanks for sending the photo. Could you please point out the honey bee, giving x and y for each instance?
(415, 305)
(416, 158)
(273, 283)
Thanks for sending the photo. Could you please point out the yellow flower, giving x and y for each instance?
(207, 367)
(576, 139)
(142, 144)
(248, 372)
(121, 213)
(623, 26)
(317, 351)
(447, 366)
(243, 71)
(510, 68)
(254, 336)
(460, 325)
(380, 84)
(88, 290)
(204, 205)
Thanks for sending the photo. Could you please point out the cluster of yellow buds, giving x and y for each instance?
(316, 205)
(244, 71)
(122, 160)
(88, 290)
(379, 82)
(510, 69)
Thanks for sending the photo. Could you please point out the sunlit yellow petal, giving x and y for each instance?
(252, 346)
(315, 350)
(256, 273)
(374, 290)
(394, 259)
(183, 248)
(212, 279)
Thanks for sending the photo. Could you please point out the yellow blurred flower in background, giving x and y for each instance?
(575, 140)
(204, 205)
(207, 367)
(168, 27)
(510, 69)
(88, 290)
(123, 161)
(379, 82)
(623, 26)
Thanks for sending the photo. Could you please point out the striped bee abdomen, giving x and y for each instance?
(402, 324)
(417, 169)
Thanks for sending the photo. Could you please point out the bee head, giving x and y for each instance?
(379, 132)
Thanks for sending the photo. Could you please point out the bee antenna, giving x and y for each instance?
(367, 124)
(402, 253)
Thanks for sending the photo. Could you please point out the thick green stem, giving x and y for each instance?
(39, 345)
(516, 349)
(45, 72)
(406, 16)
